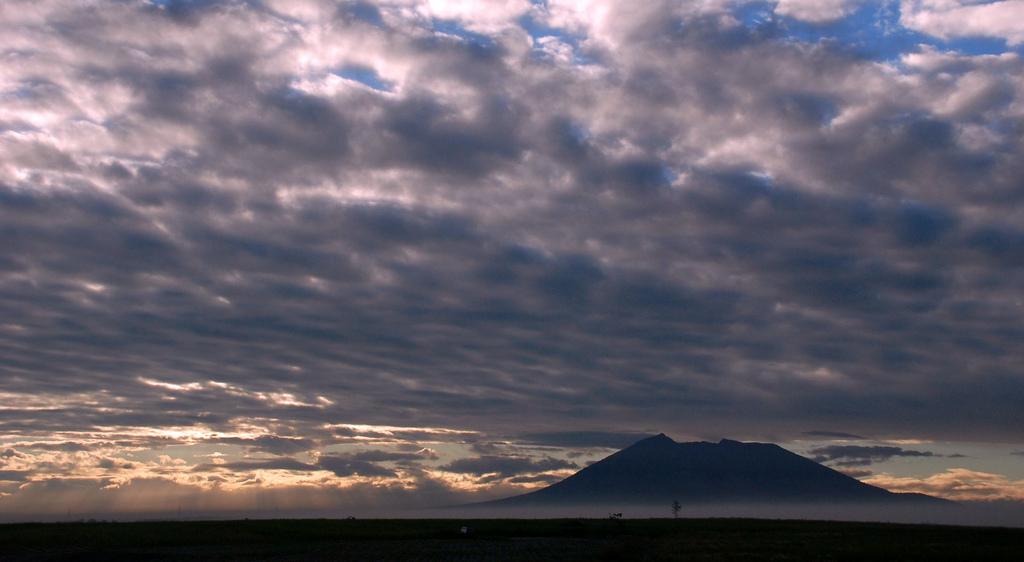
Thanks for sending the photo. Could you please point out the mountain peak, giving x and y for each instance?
(728, 471)
(659, 440)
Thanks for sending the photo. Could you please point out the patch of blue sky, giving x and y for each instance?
(578, 133)
(183, 4)
(366, 12)
(366, 76)
(539, 30)
(669, 175)
(872, 31)
(182, 8)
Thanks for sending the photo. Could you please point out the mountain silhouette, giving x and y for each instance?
(657, 469)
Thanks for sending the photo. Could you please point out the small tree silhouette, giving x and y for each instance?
(675, 509)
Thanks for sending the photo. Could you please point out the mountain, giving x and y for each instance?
(657, 469)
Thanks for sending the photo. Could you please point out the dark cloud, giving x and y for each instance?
(856, 472)
(391, 456)
(422, 133)
(863, 455)
(363, 463)
(832, 434)
(535, 479)
(920, 225)
(14, 475)
(267, 464)
(109, 464)
(271, 444)
(344, 465)
(583, 439)
(505, 466)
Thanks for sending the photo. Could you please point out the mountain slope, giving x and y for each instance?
(658, 469)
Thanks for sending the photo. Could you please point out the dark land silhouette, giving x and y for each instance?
(658, 471)
(504, 539)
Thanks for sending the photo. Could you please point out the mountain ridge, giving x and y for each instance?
(658, 469)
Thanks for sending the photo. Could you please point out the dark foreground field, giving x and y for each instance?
(510, 539)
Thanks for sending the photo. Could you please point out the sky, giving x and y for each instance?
(275, 255)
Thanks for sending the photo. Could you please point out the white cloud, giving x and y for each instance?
(949, 19)
(816, 11)
(956, 484)
(482, 15)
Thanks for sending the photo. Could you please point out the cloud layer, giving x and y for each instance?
(965, 18)
(956, 483)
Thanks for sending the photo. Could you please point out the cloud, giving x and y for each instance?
(389, 456)
(9, 453)
(858, 473)
(272, 444)
(506, 466)
(959, 18)
(863, 455)
(269, 464)
(361, 463)
(956, 484)
(346, 466)
(582, 439)
(816, 11)
(366, 463)
(535, 479)
(14, 475)
(832, 435)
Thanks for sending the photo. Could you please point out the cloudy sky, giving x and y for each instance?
(276, 254)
